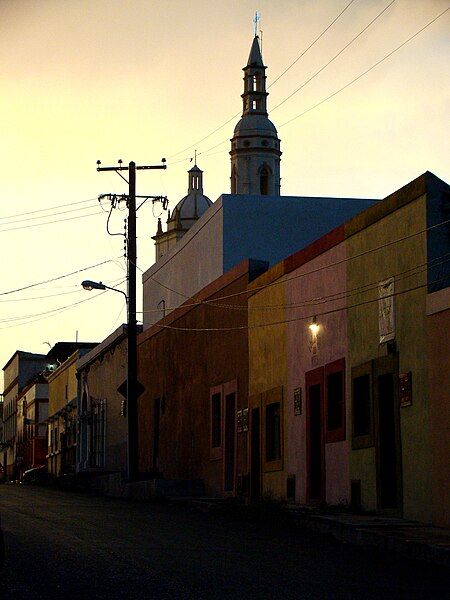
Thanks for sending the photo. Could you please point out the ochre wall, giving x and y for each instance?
(410, 313)
(267, 363)
(104, 376)
(439, 386)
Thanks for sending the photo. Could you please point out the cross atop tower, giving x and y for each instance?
(256, 21)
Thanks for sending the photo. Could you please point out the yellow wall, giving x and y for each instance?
(267, 365)
(410, 314)
(439, 378)
(65, 375)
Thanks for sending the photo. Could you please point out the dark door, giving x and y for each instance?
(156, 421)
(387, 443)
(230, 412)
(255, 457)
(315, 437)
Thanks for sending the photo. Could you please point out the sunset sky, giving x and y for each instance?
(139, 80)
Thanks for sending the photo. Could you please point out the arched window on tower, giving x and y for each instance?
(234, 180)
(264, 181)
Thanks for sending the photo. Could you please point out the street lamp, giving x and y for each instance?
(89, 285)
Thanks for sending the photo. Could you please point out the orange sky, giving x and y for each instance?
(83, 80)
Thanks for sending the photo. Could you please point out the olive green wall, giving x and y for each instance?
(267, 363)
(410, 313)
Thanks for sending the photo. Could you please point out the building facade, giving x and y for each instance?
(17, 372)
(193, 414)
(102, 424)
(32, 413)
(62, 412)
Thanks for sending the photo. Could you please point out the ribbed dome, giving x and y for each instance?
(192, 206)
(255, 125)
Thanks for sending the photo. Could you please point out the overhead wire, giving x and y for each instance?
(294, 319)
(305, 83)
(284, 279)
(311, 45)
(52, 311)
(77, 291)
(50, 208)
(98, 212)
(366, 71)
(342, 295)
(58, 277)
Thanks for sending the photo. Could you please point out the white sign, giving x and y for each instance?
(386, 322)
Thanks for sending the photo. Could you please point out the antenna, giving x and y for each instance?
(195, 157)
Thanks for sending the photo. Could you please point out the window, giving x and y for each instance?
(216, 420)
(264, 182)
(334, 379)
(362, 406)
(273, 432)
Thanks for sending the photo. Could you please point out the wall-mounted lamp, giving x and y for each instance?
(314, 326)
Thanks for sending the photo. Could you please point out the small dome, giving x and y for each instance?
(192, 206)
(255, 125)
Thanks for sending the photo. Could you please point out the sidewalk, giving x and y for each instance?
(408, 538)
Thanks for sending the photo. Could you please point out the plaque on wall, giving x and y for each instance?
(245, 419)
(239, 421)
(405, 388)
(298, 401)
(386, 320)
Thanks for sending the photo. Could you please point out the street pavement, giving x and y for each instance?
(67, 545)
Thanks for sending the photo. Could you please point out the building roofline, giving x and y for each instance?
(250, 267)
(111, 341)
(374, 213)
(24, 355)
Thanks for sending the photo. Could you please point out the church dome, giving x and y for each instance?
(252, 124)
(194, 204)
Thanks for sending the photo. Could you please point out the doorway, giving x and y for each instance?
(156, 430)
(255, 456)
(315, 437)
(389, 488)
(229, 439)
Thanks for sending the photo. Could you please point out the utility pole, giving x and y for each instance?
(134, 388)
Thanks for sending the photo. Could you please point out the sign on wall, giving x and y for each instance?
(298, 401)
(386, 322)
(405, 388)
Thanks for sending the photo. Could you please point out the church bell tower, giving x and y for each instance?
(255, 147)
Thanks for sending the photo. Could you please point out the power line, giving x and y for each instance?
(311, 45)
(47, 312)
(98, 212)
(77, 291)
(48, 316)
(31, 285)
(347, 293)
(305, 83)
(31, 212)
(284, 279)
(366, 71)
(294, 319)
(54, 214)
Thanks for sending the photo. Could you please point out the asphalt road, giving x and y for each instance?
(65, 545)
